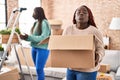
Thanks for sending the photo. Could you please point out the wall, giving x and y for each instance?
(103, 11)
(11, 4)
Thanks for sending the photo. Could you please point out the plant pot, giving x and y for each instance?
(4, 38)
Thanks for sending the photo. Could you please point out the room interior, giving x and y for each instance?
(59, 14)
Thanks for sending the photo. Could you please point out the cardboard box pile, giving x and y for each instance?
(56, 27)
(71, 51)
(57, 32)
(9, 73)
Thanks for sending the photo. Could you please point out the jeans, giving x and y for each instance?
(77, 75)
(39, 57)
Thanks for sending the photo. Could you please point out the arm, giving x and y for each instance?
(45, 33)
(99, 50)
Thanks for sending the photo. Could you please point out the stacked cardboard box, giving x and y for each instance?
(56, 27)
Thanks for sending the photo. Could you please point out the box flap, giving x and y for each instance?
(81, 42)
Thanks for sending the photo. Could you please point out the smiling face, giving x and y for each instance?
(81, 15)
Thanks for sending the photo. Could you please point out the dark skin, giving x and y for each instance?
(24, 37)
(82, 18)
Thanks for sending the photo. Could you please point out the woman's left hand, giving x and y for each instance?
(96, 59)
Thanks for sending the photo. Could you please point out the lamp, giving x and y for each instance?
(115, 24)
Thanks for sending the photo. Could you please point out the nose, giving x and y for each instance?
(81, 12)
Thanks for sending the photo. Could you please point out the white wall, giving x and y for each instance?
(26, 20)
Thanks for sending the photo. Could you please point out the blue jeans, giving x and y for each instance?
(39, 58)
(77, 75)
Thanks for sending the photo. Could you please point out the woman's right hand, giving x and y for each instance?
(24, 37)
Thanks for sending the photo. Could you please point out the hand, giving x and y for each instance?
(96, 59)
(24, 37)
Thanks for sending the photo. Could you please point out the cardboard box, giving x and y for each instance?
(28, 56)
(55, 22)
(5, 38)
(71, 51)
(57, 32)
(103, 76)
(9, 74)
(104, 68)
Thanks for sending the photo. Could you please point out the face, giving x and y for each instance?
(35, 16)
(81, 15)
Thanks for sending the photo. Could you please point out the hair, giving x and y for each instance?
(41, 15)
(91, 18)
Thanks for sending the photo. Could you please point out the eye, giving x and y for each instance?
(85, 12)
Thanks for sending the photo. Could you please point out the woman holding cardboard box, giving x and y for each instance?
(84, 24)
(39, 32)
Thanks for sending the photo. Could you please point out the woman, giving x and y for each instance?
(39, 32)
(84, 24)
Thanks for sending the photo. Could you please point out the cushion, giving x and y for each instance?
(112, 57)
(117, 76)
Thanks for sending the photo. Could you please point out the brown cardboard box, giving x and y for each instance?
(28, 56)
(103, 76)
(5, 38)
(11, 74)
(56, 31)
(104, 68)
(71, 51)
(55, 23)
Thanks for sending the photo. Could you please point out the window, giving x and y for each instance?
(26, 21)
(2, 14)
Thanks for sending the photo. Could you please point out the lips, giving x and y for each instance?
(80, 18)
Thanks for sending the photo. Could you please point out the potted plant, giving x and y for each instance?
(5, 34)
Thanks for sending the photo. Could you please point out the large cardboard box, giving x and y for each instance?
(9, 73)
(71, 51)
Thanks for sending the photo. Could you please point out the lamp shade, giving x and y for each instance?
(115, 24)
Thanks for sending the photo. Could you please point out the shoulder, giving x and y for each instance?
(96, 31)
(69, 27)
(44, 21)
(67, 30)
(98, 34)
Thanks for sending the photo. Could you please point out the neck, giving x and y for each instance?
(82, 25)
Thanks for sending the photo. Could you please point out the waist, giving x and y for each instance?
(42, 46)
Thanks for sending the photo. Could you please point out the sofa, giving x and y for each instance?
(112, 57)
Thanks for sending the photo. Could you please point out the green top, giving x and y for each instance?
(35, 38)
